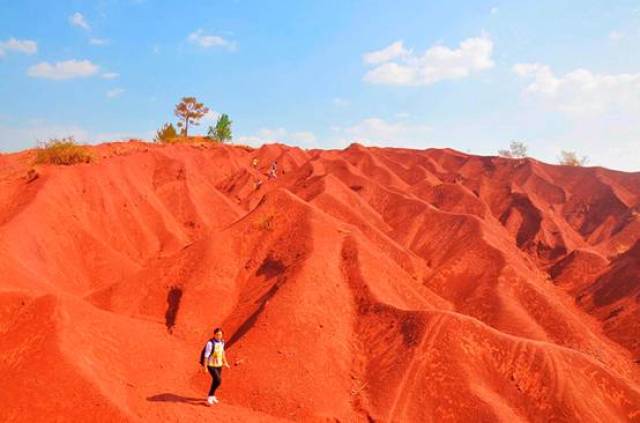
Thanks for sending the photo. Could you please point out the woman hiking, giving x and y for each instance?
(214, 359)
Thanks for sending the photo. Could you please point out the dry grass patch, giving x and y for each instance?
(62, 151)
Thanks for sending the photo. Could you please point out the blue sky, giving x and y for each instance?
(472, 75)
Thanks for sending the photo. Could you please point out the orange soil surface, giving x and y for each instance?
(366, 284)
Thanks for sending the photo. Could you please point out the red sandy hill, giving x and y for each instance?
(368, 284)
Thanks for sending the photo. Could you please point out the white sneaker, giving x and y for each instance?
(211, 400)
(215, 400)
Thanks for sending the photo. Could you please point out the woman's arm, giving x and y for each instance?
(207, 353)
(224, 359)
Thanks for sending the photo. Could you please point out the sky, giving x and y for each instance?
(470, 75)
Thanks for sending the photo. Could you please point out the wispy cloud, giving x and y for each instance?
(341, 102)
(204, 40)
(616, 35)
(381, 132)
(78, 20)
(599, 112)
(63, 70)
(98, 41)
(110, 75)
(582, 91)
(116, 92)
(122, 136)
(29, 134)
(397, 65)
(20, 136)
(304, 139)
(395, 50)
(210, 117)
(20, 46)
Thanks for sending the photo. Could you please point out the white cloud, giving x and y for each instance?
(595, 114)
(377, 131)
(609, 143)
(110, 75)
(263, 136)
(340, 102)
(388, 53)
(78, 20)
(435, 64)
(16, 137)
(304, 139)
(122, 136)
(544, 80)
(393, 74)
(207, 41)
(210, 117)
(63, 70)
(581, 91)
(616, 35)
(19, 137)
(116, 92)
(98, 41)
(272, 134)
(20, 46)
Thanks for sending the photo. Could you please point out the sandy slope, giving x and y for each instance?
(364, 284)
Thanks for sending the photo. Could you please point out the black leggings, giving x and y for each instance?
(216, 379)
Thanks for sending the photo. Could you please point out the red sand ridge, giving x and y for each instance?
(366, 284)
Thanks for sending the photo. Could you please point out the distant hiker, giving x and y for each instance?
(258, 184)
(273, 172)
(255, 162)
(212, 360)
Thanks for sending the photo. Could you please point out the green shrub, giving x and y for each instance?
(222, 131)
(62, 151)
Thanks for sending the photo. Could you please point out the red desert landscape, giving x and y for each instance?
(364, 284)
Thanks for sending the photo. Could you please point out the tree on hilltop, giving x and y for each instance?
(222, 131)
(517, 150)
(190, 111)
(570, 158)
